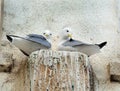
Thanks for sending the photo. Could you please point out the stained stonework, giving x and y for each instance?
(115, 72)
(13, 69)
(60, 71)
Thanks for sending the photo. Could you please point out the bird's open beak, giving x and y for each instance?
(70, 35)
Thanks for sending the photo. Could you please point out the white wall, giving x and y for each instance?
(92, 21)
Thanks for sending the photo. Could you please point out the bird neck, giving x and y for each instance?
(49, 40)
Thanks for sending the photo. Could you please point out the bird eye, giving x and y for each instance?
(50, 34)
(44, 33)
(67, 30)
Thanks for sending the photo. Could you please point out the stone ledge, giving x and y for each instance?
(115, 71)
(60, 71)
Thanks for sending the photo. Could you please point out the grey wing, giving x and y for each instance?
(36, 36)
(74, 43)
(38, 39)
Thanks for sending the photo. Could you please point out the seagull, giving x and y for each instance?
(69, 44)
(31, 42)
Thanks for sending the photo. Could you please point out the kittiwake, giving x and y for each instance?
(31, 42)
(69, 44)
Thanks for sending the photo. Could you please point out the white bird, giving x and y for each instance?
(69, 44)
(31, 42)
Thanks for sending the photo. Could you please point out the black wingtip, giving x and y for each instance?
(71, 39)
(102, 44)
(24, 52)
(9, 38)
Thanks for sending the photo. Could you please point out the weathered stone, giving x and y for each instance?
(115, 71)
(1, 16)
(114, 68)
(71, 70)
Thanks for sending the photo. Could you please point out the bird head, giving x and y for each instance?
(66, 33)
(47, 34)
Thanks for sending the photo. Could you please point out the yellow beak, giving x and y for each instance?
(46, 35)
(70, 35)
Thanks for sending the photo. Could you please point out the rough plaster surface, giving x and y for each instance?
(13, 69)
(92, 21)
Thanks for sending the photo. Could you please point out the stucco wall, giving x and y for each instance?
(92, 21)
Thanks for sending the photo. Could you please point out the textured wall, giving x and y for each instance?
(92, 21)
(1, 15)
(60, 71)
